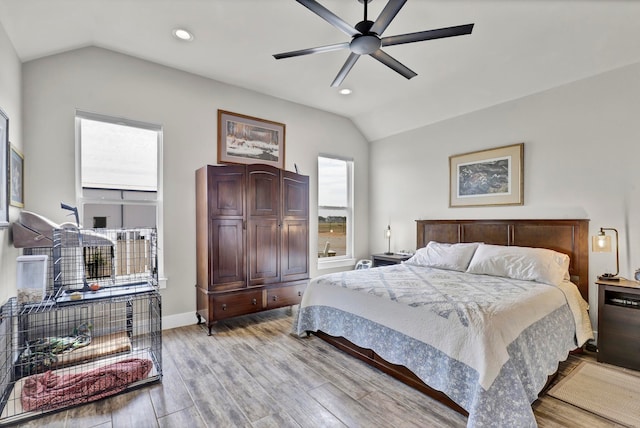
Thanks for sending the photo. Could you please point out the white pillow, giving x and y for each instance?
(529, 264)
(445, 256)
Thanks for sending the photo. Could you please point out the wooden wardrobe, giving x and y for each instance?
(252, 239)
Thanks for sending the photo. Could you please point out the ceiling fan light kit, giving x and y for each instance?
(366, 37)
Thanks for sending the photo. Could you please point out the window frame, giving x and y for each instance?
(82, 199)
(348, 259)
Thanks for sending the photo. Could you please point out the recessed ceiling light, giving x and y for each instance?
(182, 34)
(345, 91)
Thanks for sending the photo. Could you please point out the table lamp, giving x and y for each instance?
(601, 243)
(387, 234)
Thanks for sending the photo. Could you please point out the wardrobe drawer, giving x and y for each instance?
(285, 295)
(237, 303)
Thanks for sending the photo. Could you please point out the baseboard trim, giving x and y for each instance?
(178, 320)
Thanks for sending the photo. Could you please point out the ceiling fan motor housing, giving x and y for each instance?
(365, 43)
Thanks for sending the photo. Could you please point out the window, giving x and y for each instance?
(335, 209)
(119, 179)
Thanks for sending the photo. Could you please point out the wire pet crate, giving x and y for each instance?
(65, 354)
(96, 332)
(105, 262)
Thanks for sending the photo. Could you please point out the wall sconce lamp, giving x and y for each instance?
(601, 243)
(387, 234)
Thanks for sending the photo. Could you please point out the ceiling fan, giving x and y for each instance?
(366, 37)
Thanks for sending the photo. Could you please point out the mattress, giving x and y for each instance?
(488, 342)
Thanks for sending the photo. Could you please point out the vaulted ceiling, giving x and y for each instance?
(518, 47)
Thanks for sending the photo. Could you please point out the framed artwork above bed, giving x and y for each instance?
(487, 177)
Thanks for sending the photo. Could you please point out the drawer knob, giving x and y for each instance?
(299, 293)
(275, 298)
(224, 306)
(254, 301)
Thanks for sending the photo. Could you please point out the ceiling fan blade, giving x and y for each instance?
(386, 16)
(393, 63)
(329, 16)
(346, 68)
(439, 33)
(319, 49)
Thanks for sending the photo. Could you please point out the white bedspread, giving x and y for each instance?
(472, 319)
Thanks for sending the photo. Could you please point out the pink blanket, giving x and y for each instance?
(49, 390)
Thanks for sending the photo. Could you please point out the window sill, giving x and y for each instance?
(323, 263)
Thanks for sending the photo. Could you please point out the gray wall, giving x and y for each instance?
(10, 102)
(582, 148)
(105, 82)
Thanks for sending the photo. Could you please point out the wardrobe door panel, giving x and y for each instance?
(226, 191)
(227, 254)
(263, 191)
(264, 264)
(294, 250)
(295, 195)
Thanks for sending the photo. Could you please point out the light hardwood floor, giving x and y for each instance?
(253, 373)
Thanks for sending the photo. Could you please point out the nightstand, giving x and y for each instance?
(619, 323)
(388, 259)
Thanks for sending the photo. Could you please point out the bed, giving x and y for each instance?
(452, 324)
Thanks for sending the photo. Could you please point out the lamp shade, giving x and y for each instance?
(601, 243)
(387, 235)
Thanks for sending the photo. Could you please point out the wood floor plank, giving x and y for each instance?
(315, 345)
(215, 405)
(132, 410)
(277, 420)
(426, 407)
(189, 417)
(350, 411)
(171, 395)
(348, 381)
(93, 414)
(306, 411)
(297, 371)
(264, 369)
(248, 394)
(398, 412)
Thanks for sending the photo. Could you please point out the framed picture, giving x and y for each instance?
(4, 150)
(487, 177)
(16, 178)
(246, 139)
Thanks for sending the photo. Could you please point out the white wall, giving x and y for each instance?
(105, 82)
(10, 102)
(582, 151)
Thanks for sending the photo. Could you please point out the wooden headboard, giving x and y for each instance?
(565, 236)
